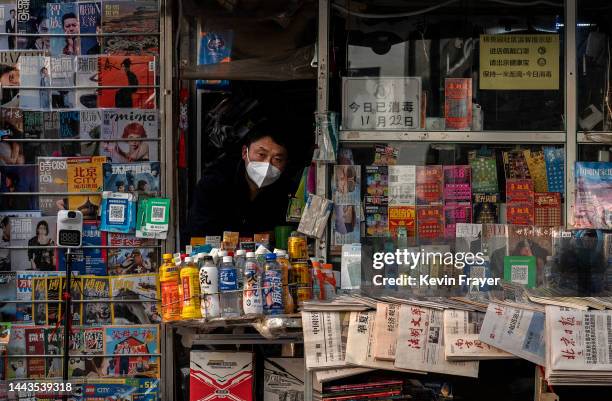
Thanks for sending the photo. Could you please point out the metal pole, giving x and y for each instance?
(67, 319)
(571, 147)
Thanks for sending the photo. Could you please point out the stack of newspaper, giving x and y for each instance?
(579, 348)
(342, 303)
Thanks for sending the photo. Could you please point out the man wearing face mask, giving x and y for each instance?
(249, 196)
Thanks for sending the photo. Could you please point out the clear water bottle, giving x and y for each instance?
(228, 287)
(220, 255)
(273, 287)
(251, 294)
(209, 287)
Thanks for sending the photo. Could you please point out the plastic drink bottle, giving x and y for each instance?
(328, 286)
(170, 282)
(228, 287)
(251, 294)
(272, 287)
(260, 254)
(209, 286)
(220, 255)
(283, 261)
(191, 290)
(239, 262)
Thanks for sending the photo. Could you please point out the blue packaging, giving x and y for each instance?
(228, 279)
(215, 48)
(273, 292)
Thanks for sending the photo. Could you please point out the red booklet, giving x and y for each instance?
(430, 223)
(458, 103)
(548, 209)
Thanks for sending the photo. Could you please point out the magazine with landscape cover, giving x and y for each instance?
(140, 178)
(593, 196)
(128, 82)
(86, 78)
(36, 232)
(121, 17)
(144, 287)
(127, 124)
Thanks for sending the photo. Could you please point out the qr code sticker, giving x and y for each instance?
(520, 274)
(116, 213)
(158, 214)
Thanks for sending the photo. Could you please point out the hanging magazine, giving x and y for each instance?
(593, 207)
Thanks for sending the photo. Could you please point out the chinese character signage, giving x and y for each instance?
(519, 62)
(381, 103)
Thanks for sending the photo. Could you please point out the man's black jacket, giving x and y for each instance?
(221, 202)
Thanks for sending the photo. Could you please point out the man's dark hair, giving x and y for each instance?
(68, 16)
(268, 130)
(126, 62)
(5, 222)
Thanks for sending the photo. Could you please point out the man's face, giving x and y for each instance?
(266, 150)
(71, 25)
(12, 14)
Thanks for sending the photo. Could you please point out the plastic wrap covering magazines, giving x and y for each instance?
(327, 137)
(315, 216)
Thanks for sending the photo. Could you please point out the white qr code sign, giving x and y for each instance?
(158, 214)
(116, 213)
(520, 274)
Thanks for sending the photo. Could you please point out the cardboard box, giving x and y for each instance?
(221, 376)
(284, 379)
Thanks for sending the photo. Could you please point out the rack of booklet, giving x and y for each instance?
(80, 130)
(450, 335)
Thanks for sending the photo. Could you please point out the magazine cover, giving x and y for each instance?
(85, 175)
(90, 128)
(9, 61)
(25, 293)
(39, 298)
(8, 292)
(430, 223)
(76, 364)
(127, 124)
(537, 169)
(458, 103)
(54, 343)
(90, 20)
(135, 77)
(32, 19)
(52, 177)
(51, 127)
(385, 155)
(130, 255)
(377, 181)
(11, 123)
(93, 344)
(137, 178)
(347, 224)
(54, 293)
(283, 379)
(468, 237)
(32, 129)
(20, 178)
(86, 78)
(485, 208)
(531, 241)
(130, 17)
(123, 389)
(96, 313)
(402, 185)
(87, 260)
(429, 181)
(62, 75)
(593, 197)
(495, 246)
(63, 19)
(69, 128)
(141, 343)
(37, 232)
(8, 24)
(17, 366)
(34, 78)
(346, 185)
(143, 287)
(515, 165)
(76, 291)
(35, 345)
(457, 183)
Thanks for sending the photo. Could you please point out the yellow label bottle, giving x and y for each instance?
(170, 283)
(190, 288)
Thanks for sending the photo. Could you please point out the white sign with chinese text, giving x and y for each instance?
(373, 103)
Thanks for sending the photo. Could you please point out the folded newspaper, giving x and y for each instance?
(515, 330)
(579, 346)
(324, 339)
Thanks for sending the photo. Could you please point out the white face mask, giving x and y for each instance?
(262, 173)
